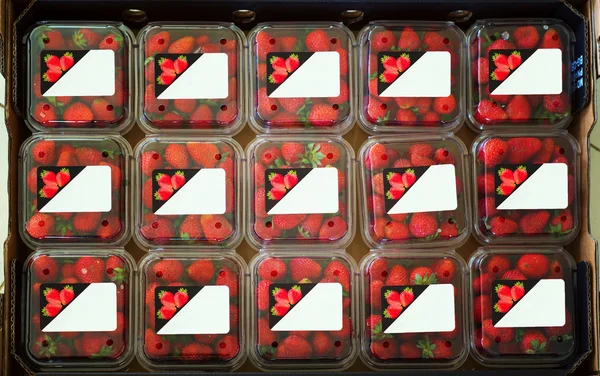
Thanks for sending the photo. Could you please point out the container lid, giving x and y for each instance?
(78, 309)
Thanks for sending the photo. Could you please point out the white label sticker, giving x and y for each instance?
(93, 310)
(89, 191)
(206, 313)
(433, 191)
(546, 188)
(206, 78)
(317, 77)
(317, 192)
(320, 309)
(540, 74)
(204, 193)
(543, 306)
(429, 76)
(92, 75)
(432, 311)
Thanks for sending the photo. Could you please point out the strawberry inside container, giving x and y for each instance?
(79, 77)
(412, 76)
(526, 187)
(188, 192)
(302, 310)
(300, 191)
(192, 81)
(414, 315)
(523, 305)
(78, 306)
(301, 78)
(192, 311)
(74, 190)
(414, 191)
(520, 73)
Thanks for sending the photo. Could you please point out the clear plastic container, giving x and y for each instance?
(413, 312)
(78, 312)
(209, 99)
(519, 73)
(192, 311)
(288, 94)
(79, 76)
(411, 76)
(321, 334)
(527, 188)
(414, 191)
(523, 303)
(188, 192)
(74, 190)
(300, 192)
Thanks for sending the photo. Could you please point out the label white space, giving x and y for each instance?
(540, 74)
(429, 76)
(434, 191)
(432, 311)
(546, 188)
(206, 313)
(206, 78)
(204, 193)
(93, 75)
(318, 77)
(89, 191)
(543, 306)
(320, 309)
(316, 193)
(94, 310)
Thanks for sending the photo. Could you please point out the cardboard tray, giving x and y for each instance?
(18, 15)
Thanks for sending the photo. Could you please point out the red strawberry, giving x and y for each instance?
(534, 223)
(500, 44)
(557, 103)
(481, 70)
(89, 269)
(493, 152)
(519, 109)
(166, 78)
(278, 77)
(66, 295)
(409, 40)
(502, 226)
(155, 346)
(272, 269)
(551, 39)
(49, 191)
(395, 230)
(183, 45)
(503, 306)
(317, 40)
(397, 276)
(499, 335)
(280, 309)
(392, 311)
(534, 342)
(521, 149)
(423, 225)
(52, 296)
(322, 115)
(201, 271)
(526, 37)
(488, 112)
(514, 275)
(533, 265)
(304, 268)
(227, 277)
(384, 349)
(408, 178)
(166, 298)
(482, 308)
(294, 347)
(287, 43)
(444, 270)
(52, 62)
(86, 222)
(377, 157)
(40, 225)
(269, 155)
(163, 194)
(562, 222)
(383, 40)
(63, 177)
(177, 156)
(497, 265)
(332, 229)
(292, 151)
(422, 275)
(395, 192)
(483, 283)
(287, 221)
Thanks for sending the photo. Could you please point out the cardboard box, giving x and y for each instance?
(18, 16)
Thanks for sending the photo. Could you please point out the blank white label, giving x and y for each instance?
(429, 76)
(540, 74)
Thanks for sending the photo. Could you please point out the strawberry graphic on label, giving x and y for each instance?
(276, 193)
(389, 62)
(166, 298)
(397, 302)
(163, 194)
(514, 60)
(392, 297)
(517, 291)
(395, 179)
(49, 191)
(280, 295)
(164, 181)
(403, 62)
(505, 189)
(395, 193)
(52, 62)
(276, 180)
(166, 78)
(67, 295)
(520, 174)
(503, 292)
(166, 312)
(294, 295)
(500, 61)
(508, 296)
(66, 61)
(406, 297)
(409, 178)
(181, 298)
(180, 64)
(290, 179)
(278, 63)
(388, 76)
(503, 306)
(52, 75)
(178, 180)
(506, 175)
(51, 310)
(280, 309)
(52, 295)
(292, 63)
(48, 177)
(166, 65)
(500, 74)
(278, 77)
(393, 311)
(63, 177)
